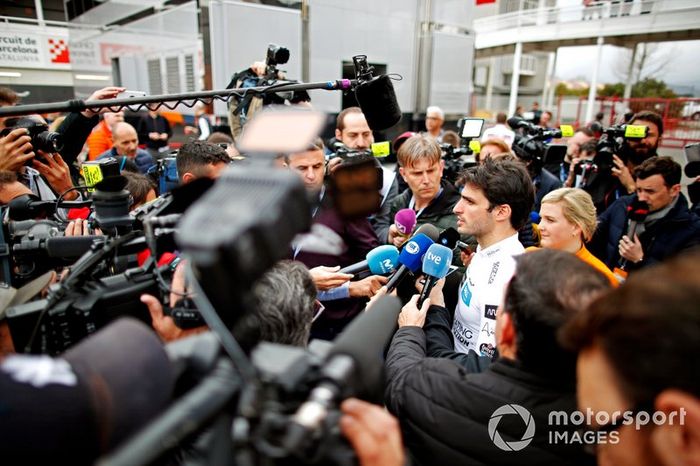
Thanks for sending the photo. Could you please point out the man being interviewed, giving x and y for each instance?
(495, 202)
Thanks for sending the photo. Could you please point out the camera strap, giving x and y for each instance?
(5, 270)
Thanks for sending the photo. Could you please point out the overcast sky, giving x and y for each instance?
(682, 69)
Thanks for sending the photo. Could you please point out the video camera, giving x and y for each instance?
(457, 158)
(106, 282)
(530, 143)
(613, 141)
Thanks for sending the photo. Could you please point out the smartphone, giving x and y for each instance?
(464, 247)
(132, 94)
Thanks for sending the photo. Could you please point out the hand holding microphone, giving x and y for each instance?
(436, 265)
(404, 224)
(326, 278)
(410, 259)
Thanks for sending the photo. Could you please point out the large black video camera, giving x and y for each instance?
(613, 141)
(531, 142)
(458, 159)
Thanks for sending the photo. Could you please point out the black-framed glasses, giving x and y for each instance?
(614, 425)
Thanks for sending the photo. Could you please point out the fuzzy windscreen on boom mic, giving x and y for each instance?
(377, 100)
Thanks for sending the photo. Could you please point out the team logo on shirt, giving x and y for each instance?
(490, 311)
(462, 334)
(487, 349)
(466, 293)
(494, 271)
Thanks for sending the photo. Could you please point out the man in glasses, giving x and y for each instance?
(638, 372)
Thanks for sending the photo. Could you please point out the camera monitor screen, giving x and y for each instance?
(471, 127)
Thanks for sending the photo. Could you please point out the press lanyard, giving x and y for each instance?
(412, 203)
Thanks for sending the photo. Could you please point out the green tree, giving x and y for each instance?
(612, 90)
(562, 89)
(650, 87)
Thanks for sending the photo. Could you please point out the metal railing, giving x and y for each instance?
(594, 11)
(681, 116)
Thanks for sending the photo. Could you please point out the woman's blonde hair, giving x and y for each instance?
(577, 207)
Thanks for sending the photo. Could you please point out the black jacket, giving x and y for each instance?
(148, 125)
(545, 183)
(75, 129)
(678, 230)
(438, 213)
(445, 411)
(440, 342)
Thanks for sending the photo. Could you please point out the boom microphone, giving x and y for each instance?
(68, 247)
(518, 123)
(410, 258)
(375, 96)
(436, 265)
(381, 260)
(405, 221)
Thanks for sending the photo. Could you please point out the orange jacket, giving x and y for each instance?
(99, 141)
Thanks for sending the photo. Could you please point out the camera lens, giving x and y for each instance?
(48, 141)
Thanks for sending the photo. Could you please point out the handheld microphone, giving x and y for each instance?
(353, 368)
(375, 96)
(428, 230)
(410, 258)
(449, 238)
(381, 260)
(405, 221)
(637, 212)
(436, 265)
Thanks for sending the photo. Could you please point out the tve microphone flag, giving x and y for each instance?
(436, 264)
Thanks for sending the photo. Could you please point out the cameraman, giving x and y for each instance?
(573, 148)
(607, 185)
(46, 178)
(585, 156)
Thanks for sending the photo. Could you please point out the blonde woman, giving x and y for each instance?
(568, 221)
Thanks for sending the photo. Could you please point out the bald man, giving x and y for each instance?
(126, 148)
